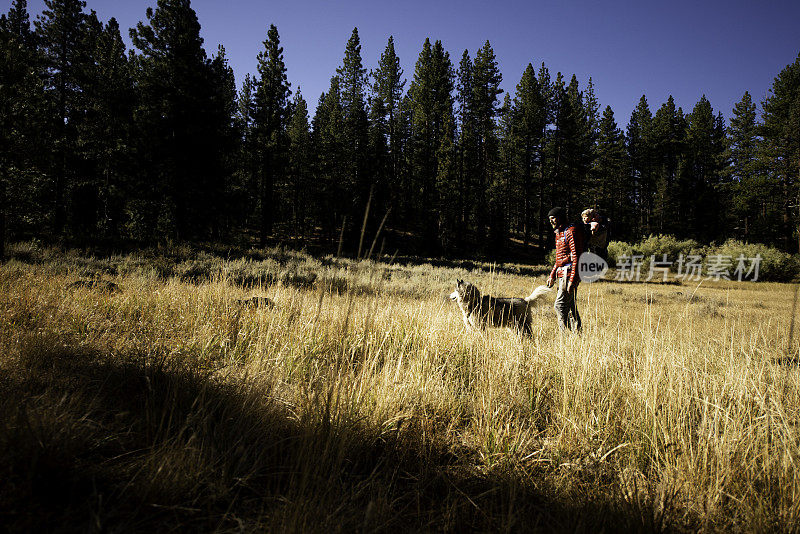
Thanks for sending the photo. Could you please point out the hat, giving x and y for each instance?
(558, 212)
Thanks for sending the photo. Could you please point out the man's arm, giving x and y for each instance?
(552, 278)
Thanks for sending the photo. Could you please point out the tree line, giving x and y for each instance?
(158, 143)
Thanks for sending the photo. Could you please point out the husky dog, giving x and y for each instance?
(481, 311)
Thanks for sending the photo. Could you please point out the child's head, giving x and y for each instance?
(590, 215)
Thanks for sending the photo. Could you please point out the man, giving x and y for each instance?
(569, 245)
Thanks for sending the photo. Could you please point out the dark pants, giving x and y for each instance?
(566, 305)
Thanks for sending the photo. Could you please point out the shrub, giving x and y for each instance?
(654, 245)
(775, 265)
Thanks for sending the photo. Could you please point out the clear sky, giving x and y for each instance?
(720, 48)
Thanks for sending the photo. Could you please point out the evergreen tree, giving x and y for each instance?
(18, 24)
(615, 192)
(781, 154)
(355, 133)
(224, 127)
(60, 34)
(329, 146)
(530, 123)
(640, 156)
(431, 108)
(243, 189)
(447, 188)
(484, 104)
(23, 131)
(176, 125)
(547, 91)
(270, 118)
(577, 147)
(465, 149)
(300, 177)
(699, 186)
(668, 140)
(505, 187)
(589, 121)
(752, 193)
(100, 191)
(563, 145)
(377, 164)
(387, 91)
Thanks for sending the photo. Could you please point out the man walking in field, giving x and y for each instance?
(569, 246)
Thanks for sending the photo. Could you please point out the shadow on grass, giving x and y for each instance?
(93, 443)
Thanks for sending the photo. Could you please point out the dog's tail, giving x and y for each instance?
(538, 292)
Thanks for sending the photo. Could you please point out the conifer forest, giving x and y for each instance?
(100, 143)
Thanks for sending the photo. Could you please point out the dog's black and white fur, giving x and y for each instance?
(481, 311)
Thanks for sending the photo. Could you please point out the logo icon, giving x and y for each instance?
(591, 267)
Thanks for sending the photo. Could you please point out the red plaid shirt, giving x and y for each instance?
(569, 246)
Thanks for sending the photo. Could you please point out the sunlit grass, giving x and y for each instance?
(358, 401)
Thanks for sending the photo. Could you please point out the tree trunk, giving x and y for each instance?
(540, 219)
(3, 220)
(527, 215)
(266, 203)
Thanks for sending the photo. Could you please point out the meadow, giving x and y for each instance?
(153, 395)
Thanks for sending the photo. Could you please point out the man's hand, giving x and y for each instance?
(569, 286)
(550, 281)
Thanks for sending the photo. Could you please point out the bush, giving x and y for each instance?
(775, 265)
(654, 245)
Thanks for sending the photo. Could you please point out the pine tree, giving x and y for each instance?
(447, 188)
(107, 99)
(530, 121)
(668, 140)
(353, 85)
(270, 119)
(22, 127)
(18, 24)
(175, 120)
(387, 89)
(465, 150)
(59, 32)
(300, 177)
(590, 130)
(431, 108)
(576, 148)
(699, 186)
(486, 79)
(378, 163)
(505, 187)
(563, 144)
(224, 142)
(640, 156)
(332, 199)
(751, 191)
(547, 92)
(781, 133)
(615, 192)
(243, 191)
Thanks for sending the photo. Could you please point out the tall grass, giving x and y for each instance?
(358, 402)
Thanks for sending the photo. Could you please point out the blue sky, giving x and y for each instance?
(629, 48)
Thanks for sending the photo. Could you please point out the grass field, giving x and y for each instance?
(357, 402)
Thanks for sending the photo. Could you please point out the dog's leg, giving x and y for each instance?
(467, 325)
(527, 328)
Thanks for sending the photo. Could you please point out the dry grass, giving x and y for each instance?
(358, 403)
